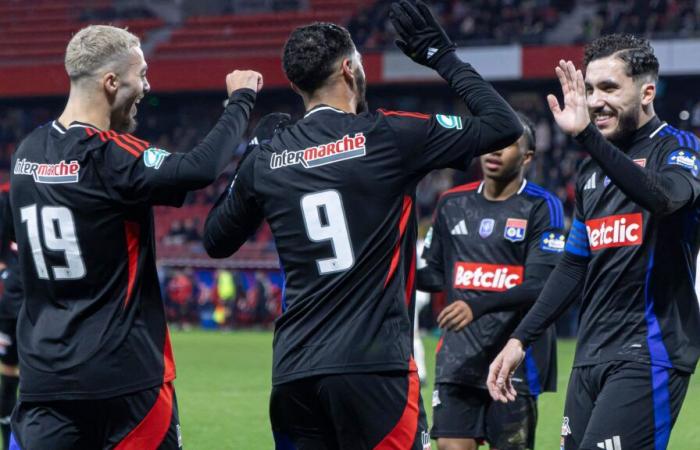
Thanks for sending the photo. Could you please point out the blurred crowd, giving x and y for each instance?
(247, 296)
(494, 22)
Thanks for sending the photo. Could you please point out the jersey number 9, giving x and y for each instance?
(324, 219)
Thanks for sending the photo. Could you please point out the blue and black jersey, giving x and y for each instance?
(477, 251)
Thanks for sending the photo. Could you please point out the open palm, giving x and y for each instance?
(573, 118)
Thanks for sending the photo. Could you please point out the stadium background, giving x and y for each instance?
(223, 381)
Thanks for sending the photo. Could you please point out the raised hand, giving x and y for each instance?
(574, 118)
(500, 379)
(421, 37)
(240, 79)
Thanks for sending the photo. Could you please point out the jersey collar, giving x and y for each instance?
(520, 190)
(323, 108)
(56, 125)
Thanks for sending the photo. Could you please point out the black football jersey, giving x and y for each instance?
(11, 299)
(338, 191)
(477, 247)
(92, 324)
(639, 302)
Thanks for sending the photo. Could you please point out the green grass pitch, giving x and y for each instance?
(223, 387)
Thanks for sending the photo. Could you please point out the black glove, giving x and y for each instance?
(268, 126)
(421, 37)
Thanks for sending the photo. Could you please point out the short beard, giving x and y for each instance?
(627, 123)
(361, 86)
(122, 124)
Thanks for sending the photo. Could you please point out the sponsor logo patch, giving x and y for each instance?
(515, 229)
(449, 121)
(154, 157)
(61, 172)
(621, 230)
(553, 242)
(486, 277)
(344, 148)
(486, 227)
(685, 159)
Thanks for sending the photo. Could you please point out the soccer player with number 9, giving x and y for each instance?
(338, 189)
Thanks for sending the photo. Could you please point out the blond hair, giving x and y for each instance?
(96, 46)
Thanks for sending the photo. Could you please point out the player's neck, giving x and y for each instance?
(80, 108)
(499, 190)
(335, 96)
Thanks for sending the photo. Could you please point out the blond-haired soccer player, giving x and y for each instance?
(95, 356)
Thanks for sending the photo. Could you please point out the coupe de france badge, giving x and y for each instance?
(515, 229)
(449, 121)
(154, 157)
(486, 227)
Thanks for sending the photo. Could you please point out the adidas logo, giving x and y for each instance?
(611, 444)
(459, 229)
(431, 52)
(590, 184)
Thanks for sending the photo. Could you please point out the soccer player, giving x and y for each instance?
(491, 248)
(95, 357)
(337, 189)
(630, 255)
(9, 308)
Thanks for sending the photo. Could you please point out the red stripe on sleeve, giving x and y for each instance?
(145, 144)
(133, 234)
(439, 345)
(151, 431)
(405, 215)
(137, 143)
(403, 435)
(415, 115)
(114, 137)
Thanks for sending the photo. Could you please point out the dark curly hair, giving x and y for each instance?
(312, 51)
(636, 52)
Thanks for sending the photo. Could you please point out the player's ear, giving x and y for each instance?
(347, 68)
(527, 157)
(110, 83)
(648, 92)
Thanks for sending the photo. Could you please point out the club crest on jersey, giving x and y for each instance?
(515, 229)
(154, 157)
(344, 148)
(685, 159)
(486, 227)
(449, 121)
(553, 242)
(61, 172)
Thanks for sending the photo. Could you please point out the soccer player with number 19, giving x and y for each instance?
(95, 358)
(337, 189)
(630, 254)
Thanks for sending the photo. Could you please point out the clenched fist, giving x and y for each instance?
(242, 79)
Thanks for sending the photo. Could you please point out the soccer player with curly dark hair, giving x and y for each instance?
(338, 190)
(630, 255)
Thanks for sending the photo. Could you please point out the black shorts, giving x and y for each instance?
(466, 412)
(8, 341)
(350, 412)
(145, 420)
(622, 405)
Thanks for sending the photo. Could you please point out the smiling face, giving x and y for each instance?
(131, 88)
(614, 98)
